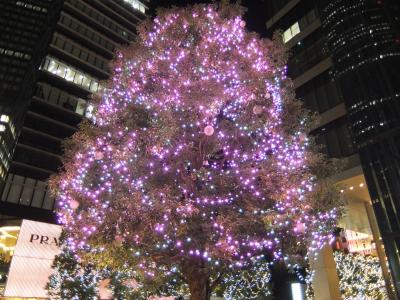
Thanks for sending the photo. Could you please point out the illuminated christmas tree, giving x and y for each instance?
(71, 279)
(196, 160)
(360, 276)
(251, 283)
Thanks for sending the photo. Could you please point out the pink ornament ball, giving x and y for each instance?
(267, 95)
(74, 204)
(209, 130)
(257, 109)
(242, 24)
(98, 155)
(300, 227)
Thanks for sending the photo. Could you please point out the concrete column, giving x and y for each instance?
(379, 249)
(326, 280)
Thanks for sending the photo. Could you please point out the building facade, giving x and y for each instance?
(344, 60)
(53, 55)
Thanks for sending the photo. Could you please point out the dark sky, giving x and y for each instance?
(255, 16)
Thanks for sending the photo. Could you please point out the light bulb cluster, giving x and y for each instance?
(360, 276)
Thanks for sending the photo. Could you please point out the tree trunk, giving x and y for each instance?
(198, 280)
(280, 282)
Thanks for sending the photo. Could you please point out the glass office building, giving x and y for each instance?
(345, 57)
(364, 40)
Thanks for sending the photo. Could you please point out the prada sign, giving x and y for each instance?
(44, 239)
(34, 253)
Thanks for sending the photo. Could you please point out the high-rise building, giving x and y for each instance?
(53, 55)
(345, 56)
(364, 41)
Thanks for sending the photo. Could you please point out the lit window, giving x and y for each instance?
(86, 82)
(89, 111)
(78, 79)
(15, 53)
(70, 74)
(2, 128)
(295, 29)
(30, 6)
(94, 86)
(137, 5)
(52, 68)
(80, 107)
(5, 118)
(291, 32)
(61, 70)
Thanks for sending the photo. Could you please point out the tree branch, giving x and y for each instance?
(216, 281)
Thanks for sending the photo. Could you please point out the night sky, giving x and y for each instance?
(255, 16)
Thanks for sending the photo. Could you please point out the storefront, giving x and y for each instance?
(27, 250)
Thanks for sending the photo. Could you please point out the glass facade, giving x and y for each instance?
(102, 19)
(363, 36)
(25, 27)
(81, 29)
(320, 94)
(80, 52)
(336, 139)
(344, 62)
(72, 59)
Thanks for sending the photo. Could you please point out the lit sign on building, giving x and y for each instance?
(33, 256)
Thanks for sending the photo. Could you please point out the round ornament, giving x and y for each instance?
(74, 204)
(209, 130)
(300, 227)
(257, 109)
(98, 155)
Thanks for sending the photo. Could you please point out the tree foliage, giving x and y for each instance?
(198, 158)
(360, 276)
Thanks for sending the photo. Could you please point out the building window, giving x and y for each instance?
(336, 138)
(80, 52)
(291, 32)
(5, 118)
(27, 191)
(30, 6)
(137, 5)
(321, 93)
(299, 25)
(101, 19)
(70, 74)
(13, 53)
(61, 98)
